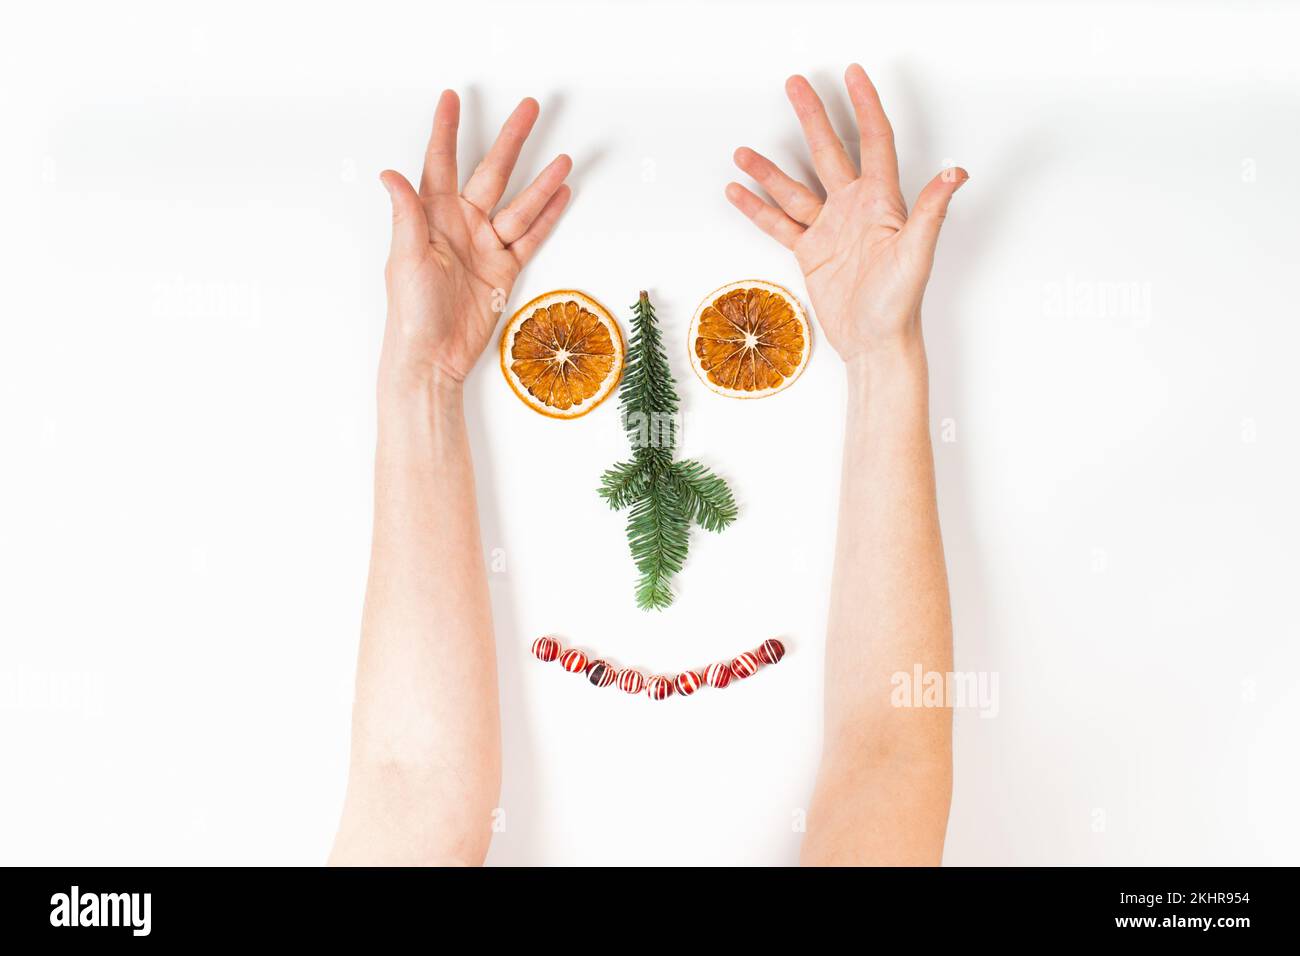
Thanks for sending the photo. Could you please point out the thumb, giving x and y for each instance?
(410, 228)
(931, 208)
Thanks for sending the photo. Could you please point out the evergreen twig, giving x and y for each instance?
(665, 496)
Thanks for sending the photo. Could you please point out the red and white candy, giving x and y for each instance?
(632, 681)
(718, 675)
(659, 687)
(546, 649)
(687, 683)
(573, 661)
(600, 674)
(744, 665)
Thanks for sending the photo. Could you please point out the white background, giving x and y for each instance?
(193, 239)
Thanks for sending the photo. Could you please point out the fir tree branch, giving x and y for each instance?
(665, 497)
(659, 533)
(648, 394)
(704, 496)
(623, 484)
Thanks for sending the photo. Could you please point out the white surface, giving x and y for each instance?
(193, 239)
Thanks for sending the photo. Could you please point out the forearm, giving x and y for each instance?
(885, 780)
(426, 735)
(889, 595)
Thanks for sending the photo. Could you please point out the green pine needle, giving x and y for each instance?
(665, 496)
(658, 532)
(622, 484)
(706, 497)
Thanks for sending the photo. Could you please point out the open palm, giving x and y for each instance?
(453, 262)
(865, 259)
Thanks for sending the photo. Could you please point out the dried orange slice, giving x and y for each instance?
(562, 353)
(749, 339)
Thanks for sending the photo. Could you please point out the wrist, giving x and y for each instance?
(430, 389)
(900, 357)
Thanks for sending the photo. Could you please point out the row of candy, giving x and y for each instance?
(658, 687)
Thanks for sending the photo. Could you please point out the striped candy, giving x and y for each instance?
(745, 665)
(600, 674)
(573, 661)
(718, 675)
(630, 680)
(546, 649)
(687, 683)
(659, 688)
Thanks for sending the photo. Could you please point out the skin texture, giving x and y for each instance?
(885, 780)
(425, 771)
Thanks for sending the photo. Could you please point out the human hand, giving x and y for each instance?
(865, 259)
(452, 262)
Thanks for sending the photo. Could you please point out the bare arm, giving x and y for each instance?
(886, 774)
(885, 779)
(426, 753)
